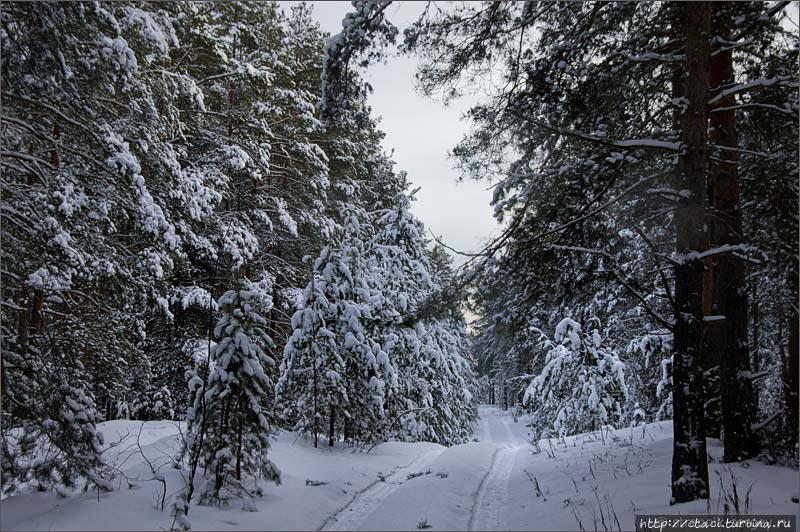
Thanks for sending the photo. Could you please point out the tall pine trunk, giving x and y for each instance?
(239, 432)
(755, 341)
(314, 362)
(711, 352)
(689, 462)
(791, 362)
(331, 426)
(736, 391)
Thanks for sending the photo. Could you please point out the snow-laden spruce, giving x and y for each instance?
(582, 385)
(356, 366)
(230, 422)
(652, 352)
(432, 401)
(436, 402)
(332, 368)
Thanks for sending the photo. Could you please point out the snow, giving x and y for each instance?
(150, 31)
(756, 83)
(433, 498)
(488, 484)
(647, 143)
(719, 250)
(120, 55)
(291, 506)
(365, 502)
(285, 218)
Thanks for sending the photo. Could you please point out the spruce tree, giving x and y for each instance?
(581, 387)
(238, 399)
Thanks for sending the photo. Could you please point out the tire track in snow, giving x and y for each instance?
(492, 496)
(366, 500)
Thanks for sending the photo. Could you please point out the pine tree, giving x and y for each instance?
(729, 270)
(83, 125)
(689, 459)
(313, 385)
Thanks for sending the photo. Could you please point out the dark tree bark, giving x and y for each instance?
(736, 390)
(23, 325)
(711, 341)
(239, 441)
(331, 426)
(689, 461)
(710, 354)
(37, 318)
(755, 345)
(791, 363)
(316, 410)
(314, 362)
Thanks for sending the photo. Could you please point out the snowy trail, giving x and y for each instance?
(367, 500)
(466, 490)
(487, 512)
(496, 427)
(490, 502)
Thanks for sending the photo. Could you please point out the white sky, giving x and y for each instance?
(421, 131)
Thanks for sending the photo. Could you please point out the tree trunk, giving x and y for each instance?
(37, 318)
(223, 428)
(331, 426)
(736, 390)
(689, 461)
(239, 441)
(316, 410)
(314, 362)
(790, 365)
(23, 325)
(755, 345)
(710, 354)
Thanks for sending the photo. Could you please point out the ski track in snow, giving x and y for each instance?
(365, 501)
(490, 501)
(492, 496)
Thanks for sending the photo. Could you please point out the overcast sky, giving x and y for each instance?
(421, 131)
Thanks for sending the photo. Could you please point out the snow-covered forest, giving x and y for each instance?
(219, 310)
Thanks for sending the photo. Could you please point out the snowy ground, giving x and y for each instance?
(594, 481)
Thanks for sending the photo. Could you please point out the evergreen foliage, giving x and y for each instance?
(165, 171)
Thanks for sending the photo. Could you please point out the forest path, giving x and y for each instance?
(498, 428)
(350, 516)
(463, 487)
